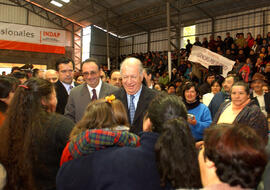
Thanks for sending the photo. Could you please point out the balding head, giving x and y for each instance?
(132, 75)
(132, 61)
(51, 75)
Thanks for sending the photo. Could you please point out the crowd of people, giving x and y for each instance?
(138, 128)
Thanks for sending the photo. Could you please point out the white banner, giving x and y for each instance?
(208, 58)
(31, 34)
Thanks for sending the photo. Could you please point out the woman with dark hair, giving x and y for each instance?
(156, 164)
(232, 157)
(249, 40)
(199, 116)
(241, 109)
(206, 86)
(259, 39)
(8, 86)
(32, 137)
(188, 71)
(234, 49)
(169, 161)
(215, 88)
(171, 88)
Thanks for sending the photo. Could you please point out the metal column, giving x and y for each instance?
(108, 43)
(148, 41)
(264, 23)
(169, 39)
(73, 40)
(132, 45)
(213, 26)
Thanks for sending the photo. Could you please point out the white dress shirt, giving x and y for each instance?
(98, 87)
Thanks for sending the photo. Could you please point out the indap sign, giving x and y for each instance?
(30, 38)
(51, 36)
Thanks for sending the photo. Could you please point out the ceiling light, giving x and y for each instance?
(66, 1)
(56, 3)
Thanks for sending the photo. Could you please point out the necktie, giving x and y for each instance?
(131, 109)
(69, 89)
(94, 97)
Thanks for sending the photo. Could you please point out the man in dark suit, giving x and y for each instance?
(135, 96)
(93, 88)
(64, 67)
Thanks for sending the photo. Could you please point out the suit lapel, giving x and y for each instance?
(266, 101)
(103, 89)
(62, 89)
(85, 95)
(123, 97)
(140, 104)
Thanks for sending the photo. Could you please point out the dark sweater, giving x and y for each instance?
(50, 149)
(250, 115)
(113, 168)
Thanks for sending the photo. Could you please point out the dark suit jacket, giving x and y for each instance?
(62, 97)
(79, 98)
(146, 96)
(217, 100)
(266, 101)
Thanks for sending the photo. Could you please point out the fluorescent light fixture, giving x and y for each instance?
(56, 3)
(66, 1)
(105, 30)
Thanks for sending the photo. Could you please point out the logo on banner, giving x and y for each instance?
(50, 36)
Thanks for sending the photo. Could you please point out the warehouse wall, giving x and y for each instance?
(158, 42)
(98, 46)
(11, 13)
(256, 21)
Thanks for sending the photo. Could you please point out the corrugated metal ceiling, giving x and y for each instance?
(126, 17)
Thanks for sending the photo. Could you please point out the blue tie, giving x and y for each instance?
(131, 109)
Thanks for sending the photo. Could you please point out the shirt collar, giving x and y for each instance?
(255, 94)
(138, 93)
(98, 87)
(68, 85)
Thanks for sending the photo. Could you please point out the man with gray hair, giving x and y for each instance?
(135, 96)
(51, 75)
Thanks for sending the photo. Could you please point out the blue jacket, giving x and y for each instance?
(113, 168)
(203, 118)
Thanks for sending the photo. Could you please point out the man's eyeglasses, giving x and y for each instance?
(86, 74)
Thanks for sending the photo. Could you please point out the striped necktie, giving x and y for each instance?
(131, 109)
(94, 97)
